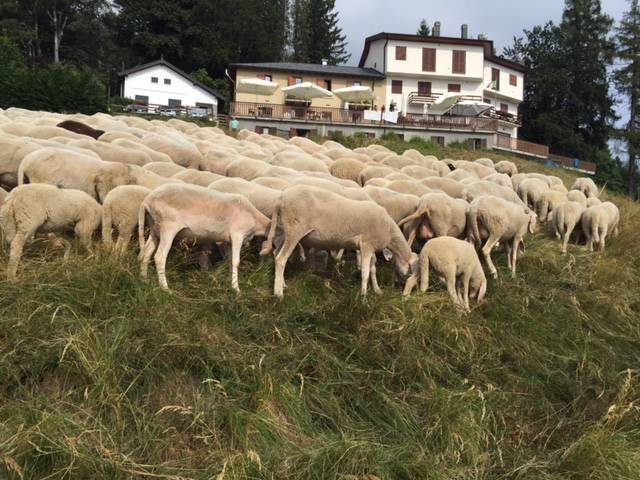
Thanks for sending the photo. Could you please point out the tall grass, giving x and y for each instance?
(105, 376)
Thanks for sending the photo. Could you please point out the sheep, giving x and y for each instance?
(559, 187)
(164, 169)
(110, 152)
(347, 168)
(378, 182)
(246, 168)
(564, 219)
(548, 202)
(272, 182)
(577, 196)
(111, 176)
(300, 163)
(595, 226)
(324, 220)
(501, 179)
(418, 172)
(586, 186)
(531, 191)
(454, 260)
(592, 201)
(450, 187)
(40, 208)
(197, 177)
(12, 151)
(374, 171)
(614, 218)
(113, 135)
(46, 132)
(459, 175)
(202, 214)
(498, 220)
(397, 162)
(398, 205)
(183, 153)
(392, 177)
(487, 162)
(480, 170)
(406, 186)
(480, 188)
(261, 197)
(120, 208)
(217, 161)
(506, 167)
(135, 145)
(81, 128)
(3, 195)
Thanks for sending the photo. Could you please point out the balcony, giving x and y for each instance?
(522, 146)
(423, 98)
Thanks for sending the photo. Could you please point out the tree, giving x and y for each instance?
(424, 30)
(627, 80)
(220, 85)
(316, 35)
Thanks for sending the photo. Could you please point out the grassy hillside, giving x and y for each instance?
(104, 376)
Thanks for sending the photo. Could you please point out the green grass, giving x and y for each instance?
(104, 376)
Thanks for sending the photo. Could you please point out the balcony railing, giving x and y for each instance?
(573, 163)
(339, 115)
(423, 98)
(517, 145)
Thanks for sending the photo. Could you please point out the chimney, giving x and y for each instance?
(464, 30)
(436, 29)
(325, 62)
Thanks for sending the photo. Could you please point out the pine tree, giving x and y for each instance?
(424, 29)
(627, 79)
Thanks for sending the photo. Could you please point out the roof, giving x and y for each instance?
(313, 68)
(487, 45)
(164, 63)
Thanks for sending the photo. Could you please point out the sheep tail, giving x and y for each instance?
(267, 245)
(473, 232)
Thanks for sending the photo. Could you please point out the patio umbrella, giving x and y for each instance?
(256, 86)
(307, 91)
(355, 94)
(444, 104)
(468, 108)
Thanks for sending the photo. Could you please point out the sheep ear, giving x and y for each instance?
(387, 254)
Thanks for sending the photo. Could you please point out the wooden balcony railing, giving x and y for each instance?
(423, 98)
(517, 145)
(573, 163)
(340, 115)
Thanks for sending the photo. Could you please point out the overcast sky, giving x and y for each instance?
(500, 20)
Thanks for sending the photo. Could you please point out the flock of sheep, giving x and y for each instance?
(70, 174)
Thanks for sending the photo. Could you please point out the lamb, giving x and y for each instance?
(81, 128)
(595, 226)
(120, 208)
(437, 215)
(564, 219)
(453, 259)
(40, 208)
(326, 221)
(164, 169)
(586, 186)
(498, 220)
(179, 211)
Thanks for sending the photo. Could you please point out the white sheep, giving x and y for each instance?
(595, 226)
(120, 209)
(564, 219)
(450, 187)
(398, 205)
(41, 208)
(164, 169)
(586, 186)
(197, 177)
(577, 196)
(506, 167)
(458, 263)
(480, 188)
(531, 191)
(326, 221)
(492, 220)
(548, 202)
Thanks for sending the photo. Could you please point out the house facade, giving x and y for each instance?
(162, 84)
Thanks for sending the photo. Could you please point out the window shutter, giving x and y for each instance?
(262, 76)
(401, 53)
(459, 62)
(428, 59)
(320, 83)
(292, 80)
(396, 86)
(349, 83)
(424, 88)
(513, 80)
(454, 87)
(495, 77)
(504, 108)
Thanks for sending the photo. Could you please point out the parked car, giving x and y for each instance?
(198, 113)
(167, 111)
(136, 108)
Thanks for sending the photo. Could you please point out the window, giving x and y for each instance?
(154, 79)
(424, 88)
(142, 99)
(174, 103)
(357, 83)
(326, 84)
(295, 80)
(454, 87)
(495, 79)
(167, 81)
(428, 59)
(504, 108)
(401, 53)
(459, 62)
(438, 140)
(513, 80)
(268, 78)
(396, 86)
(371, 135)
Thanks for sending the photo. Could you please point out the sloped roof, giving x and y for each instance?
(164, 63)
(312, 68)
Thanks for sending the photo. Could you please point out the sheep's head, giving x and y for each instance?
(110, 177)
(533, 218)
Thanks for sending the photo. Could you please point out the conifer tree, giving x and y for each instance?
(423, 29)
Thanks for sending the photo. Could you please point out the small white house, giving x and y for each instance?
(160, 83)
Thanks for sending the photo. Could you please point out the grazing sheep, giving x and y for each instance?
(549, 201)
(347, 168)
(3, 195)
(374, 171)
(506, 167)
(410, 187)
(459, 175)
(586, 186)
(12, 151)
(40, 208)
(501, 179)
(481, 188)
(531, 191)
(480, 170)
(487, 162)
(110, 152)
(437, 215)
(113, 175)
(392, 177)
(183, 153)
(135, 145)
(164, 169)
(614, 218)
(595, 226)
(498, 220)
(457, 262)
(118, 134)
(246, 168)
(577, 196)
(197, 177)
(326, 221)
(272, 182)
(559, 187)
(450, 187)
(592, 201)
(419, 173)
(217, 161)
(81, 128)
(190, 211)
(398, 205)
(397, 162)
(261, 197)
(564, 219)
(378, 182)
(120, 209)
(299, 162)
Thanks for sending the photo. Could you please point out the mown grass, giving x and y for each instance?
(105, 376)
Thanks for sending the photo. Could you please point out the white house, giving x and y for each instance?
(163, 84)
(420, 69)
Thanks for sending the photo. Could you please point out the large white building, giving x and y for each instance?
(160, 83)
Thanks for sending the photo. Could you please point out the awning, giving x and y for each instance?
(256, 86)
(307, 91)
(355, 94)
(468, 108)
(444, 104)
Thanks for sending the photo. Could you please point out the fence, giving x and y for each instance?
(517, 145)
(164, 110)
(573, 163)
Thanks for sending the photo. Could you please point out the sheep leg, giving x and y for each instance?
(565, 237)
(122, 243)
(466, 278)
(67, 248)
(507, 249)
(15, 253)
(374, 279)
(149, 249)
(450, 278)
(166, 240)
(486, 251)
(514, 255)
(107, 232)
(236, 245)
(365, 268)
(287, 248)
(424, 273)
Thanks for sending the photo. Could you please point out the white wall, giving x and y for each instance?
(514, 93)
(444, 59)
(139, 83)
(375, 58)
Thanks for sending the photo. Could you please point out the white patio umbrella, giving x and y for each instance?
(355, 94)
(307, 91)
(444, 104)
(256, 86)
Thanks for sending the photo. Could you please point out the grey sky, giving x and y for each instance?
(500, 20)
